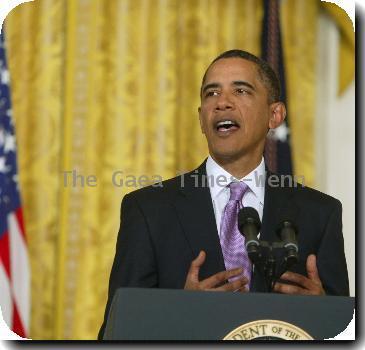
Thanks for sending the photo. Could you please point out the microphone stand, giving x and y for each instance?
(267, 265)
(271, 266)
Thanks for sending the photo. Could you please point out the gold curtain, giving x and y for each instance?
(34, 34)
(102, 87)
(346, 68)
(299, 28)
(111, 87)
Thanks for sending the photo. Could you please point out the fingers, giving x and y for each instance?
(239, 285)
(289, 289)
(304, 285)
(244, 289)
(313, 275)
(220, 277)
(301, 280)
(312, 270)
(199, 260)
(310, 285)
(193, 273)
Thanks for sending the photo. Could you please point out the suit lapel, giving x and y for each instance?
(270, 202)
(196, 214)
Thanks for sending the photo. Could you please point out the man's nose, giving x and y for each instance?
(224, 102)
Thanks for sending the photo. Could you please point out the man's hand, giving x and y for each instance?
(192, 280)
(310, 285)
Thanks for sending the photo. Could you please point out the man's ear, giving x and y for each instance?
(278, 114)
(200, 121)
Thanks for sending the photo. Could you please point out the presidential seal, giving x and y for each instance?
(268, 330)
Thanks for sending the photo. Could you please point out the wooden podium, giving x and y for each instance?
(161, 314)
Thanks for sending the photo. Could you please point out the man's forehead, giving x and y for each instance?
(232, 67)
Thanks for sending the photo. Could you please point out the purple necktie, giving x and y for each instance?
(232, 242)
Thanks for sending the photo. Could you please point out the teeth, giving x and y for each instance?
(225, 122)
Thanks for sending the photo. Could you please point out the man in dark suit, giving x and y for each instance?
(174, 234)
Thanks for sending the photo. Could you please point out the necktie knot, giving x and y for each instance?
(238, 189)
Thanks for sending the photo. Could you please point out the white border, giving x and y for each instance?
(6, 6)
(349, 7)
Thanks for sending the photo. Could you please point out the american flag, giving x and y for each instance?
(14, 265)
(277, 149)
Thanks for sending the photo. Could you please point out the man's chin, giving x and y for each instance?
(226, 156)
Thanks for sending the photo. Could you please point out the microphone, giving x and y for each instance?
(287, 231)
(249, 225)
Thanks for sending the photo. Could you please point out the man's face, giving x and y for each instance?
(235, 113)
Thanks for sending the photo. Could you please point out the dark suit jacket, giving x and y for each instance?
(164, 227)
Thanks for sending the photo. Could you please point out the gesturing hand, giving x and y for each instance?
(192, 279)
(310, 285)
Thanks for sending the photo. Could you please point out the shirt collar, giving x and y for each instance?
(219, 178)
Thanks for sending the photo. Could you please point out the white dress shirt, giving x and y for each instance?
(219, 179)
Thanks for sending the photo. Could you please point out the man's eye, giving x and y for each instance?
(241, 91)
(211, 93)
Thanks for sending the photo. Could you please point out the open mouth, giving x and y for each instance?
(226, 125)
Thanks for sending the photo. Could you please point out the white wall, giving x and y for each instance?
(335, 137)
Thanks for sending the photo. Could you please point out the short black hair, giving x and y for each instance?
(266, 73)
